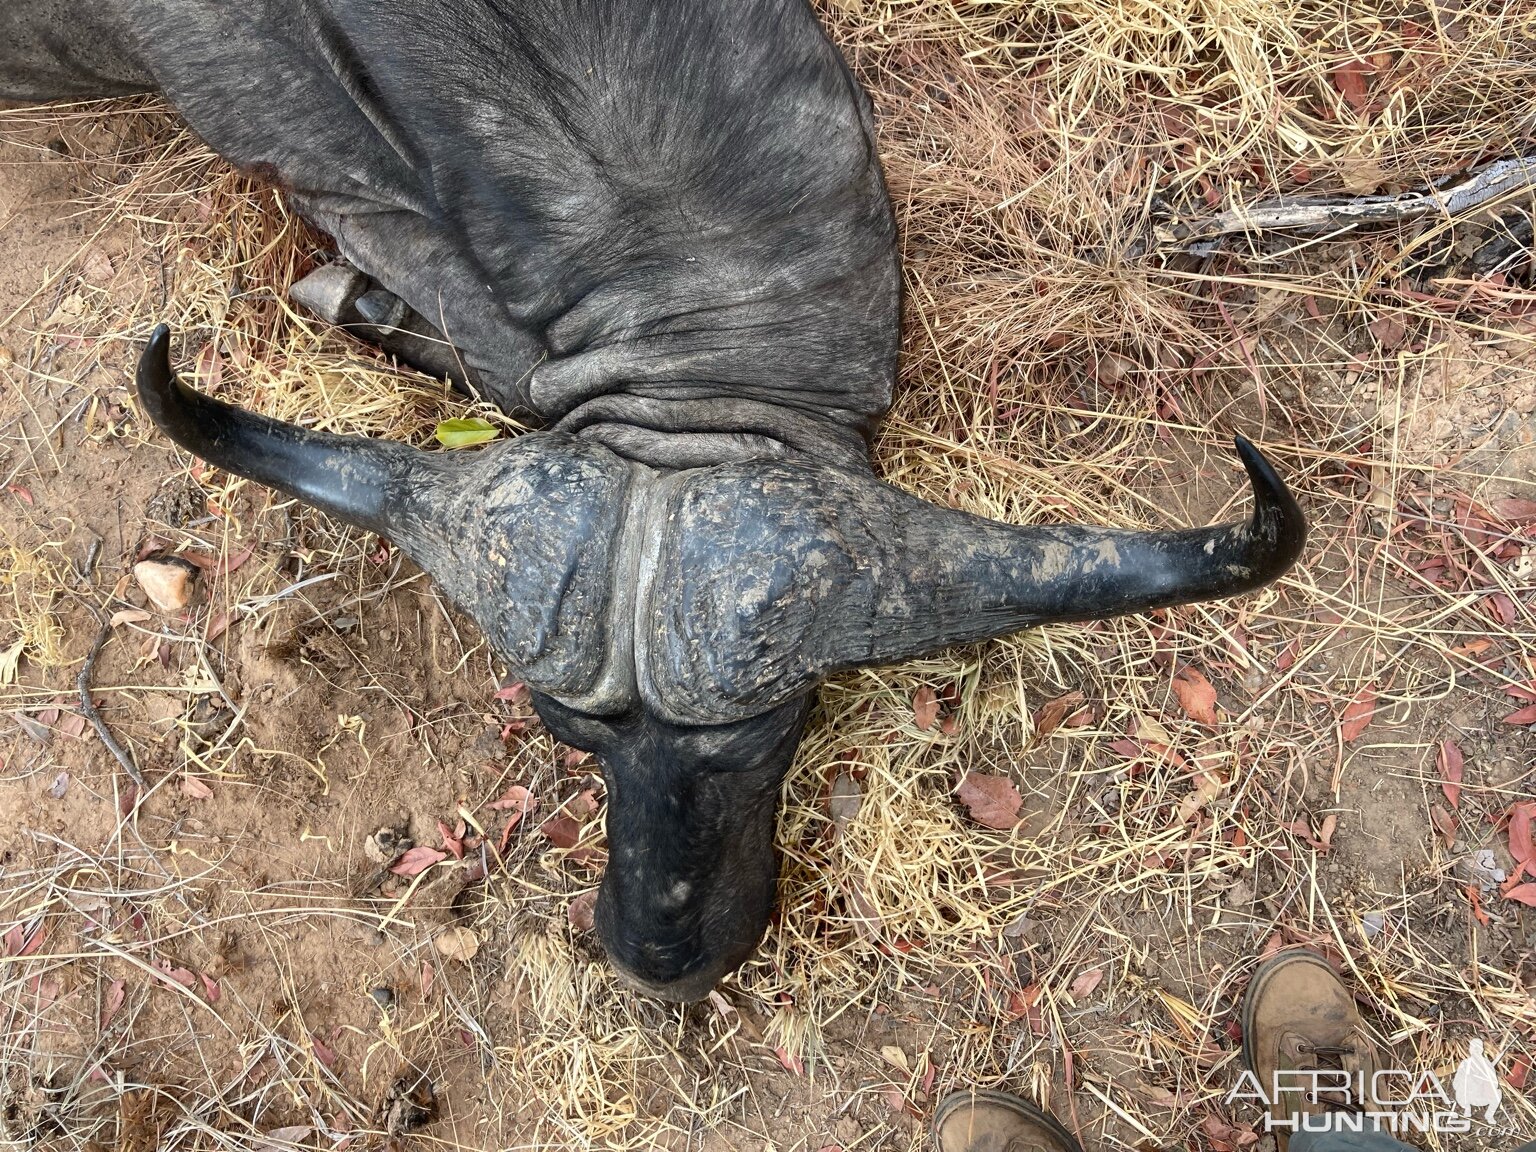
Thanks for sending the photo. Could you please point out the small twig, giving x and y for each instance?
(1333, 213)
(88, 708)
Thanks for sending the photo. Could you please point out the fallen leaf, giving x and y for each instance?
(1521, 845)
(1519, 1072)
(561, 830)
(791, 1064)
(1449, 760)
(131, 616)
(428, 974)
(96, 266)
(21, 492)
(453, 843)
(1208, 786)
(72, 725)
(59, 786)
(993, 801)
(1350, 79)
(1524, 894)
(210, 987)
(843, 804)
(1526, 715)
(457, 943)
(1357, 714)
(581, 912)
(1225, 1137)
(1084, 985)
(417, 861)
(1445, 823)
(516, 693)
(323, 1051)
(182, 976)
(1197, 696)
(112, 1001)
(195, 788)
(517, 798)
(925, 708)
(1050, 715)
(896, 1058)
(465, 431)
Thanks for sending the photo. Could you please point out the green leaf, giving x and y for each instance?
(461, 432)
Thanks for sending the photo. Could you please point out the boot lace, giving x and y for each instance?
(1330, 1058)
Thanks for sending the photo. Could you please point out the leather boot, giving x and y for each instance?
(982, 1121)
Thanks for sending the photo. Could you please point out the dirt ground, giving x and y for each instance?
(223, 962)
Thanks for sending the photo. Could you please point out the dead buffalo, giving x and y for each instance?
(660, 231)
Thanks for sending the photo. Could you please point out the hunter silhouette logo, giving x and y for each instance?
(1476, 1084)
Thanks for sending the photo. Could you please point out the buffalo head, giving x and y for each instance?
(677, 623)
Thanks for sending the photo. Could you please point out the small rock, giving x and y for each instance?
(383, 997)
(59, 786)
(168, 581)
(457, 943)
(1372, 924)
(385, 845)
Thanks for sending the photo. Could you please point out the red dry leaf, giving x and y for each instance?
(1445, 823)
(1501, 608)
(517, 693)
(1357, 714)
(1526, 715)
(1521, 846)
(791, 1064)
(210, 987)
(21, 492)
(581, 911)
(1084, 985)
(1051, 714)
(1125, 747)
(1518, 1072)
(1350, 79)
(1516, 510)
(195, 788)
(992, 801)
(217, 627)
(112, 1001)
(583, 805)
(1286, 658)
(172, 974)
(323, 1051)
(1449, 760)
(428, 974)
(518, 799)
(1225, 1137)
(453, 844)
(1197, 696)
(1524, 894)
(1476, 900)
(417, 861)
(561, 830)
(925, 708)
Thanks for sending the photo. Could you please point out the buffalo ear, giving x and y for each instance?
(380, 485)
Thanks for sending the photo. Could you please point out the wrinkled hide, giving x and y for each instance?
(659, 232)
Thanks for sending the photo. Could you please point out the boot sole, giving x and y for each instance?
(1013, 1103)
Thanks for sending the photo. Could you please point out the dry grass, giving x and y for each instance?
(1053, 370)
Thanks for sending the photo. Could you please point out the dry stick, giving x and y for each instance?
(83, 683)
(1497, 180)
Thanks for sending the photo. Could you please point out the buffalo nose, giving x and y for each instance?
(655, 973)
